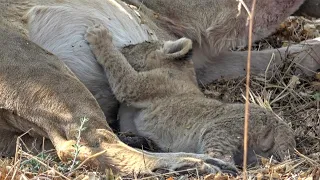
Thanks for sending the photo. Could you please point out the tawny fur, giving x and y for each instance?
(214, 27)
(38, 92)
(65, 40)
(47, 20)
(173, 112)
(67, 20)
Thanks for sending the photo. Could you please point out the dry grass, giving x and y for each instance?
(46, 165)
(294, 98)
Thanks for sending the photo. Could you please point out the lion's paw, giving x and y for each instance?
(97, 34)
(98, 37)
(185, 161)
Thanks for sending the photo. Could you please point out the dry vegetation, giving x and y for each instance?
(293, 97)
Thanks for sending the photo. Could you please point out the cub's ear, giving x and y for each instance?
(179, 49)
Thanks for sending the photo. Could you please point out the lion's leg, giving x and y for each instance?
(310, 8)
(126, 160)
(305, 57)
(113, 154)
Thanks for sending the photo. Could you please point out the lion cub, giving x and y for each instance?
(156, 84)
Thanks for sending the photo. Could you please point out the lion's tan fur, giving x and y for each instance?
(173, 112)
(38, 91)
(214, 27)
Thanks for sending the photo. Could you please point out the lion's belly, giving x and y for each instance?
(60, 29)
(68, 21)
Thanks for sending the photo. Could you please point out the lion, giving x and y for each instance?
(55, 112)
(41, 96)
(216, 26)
(130, 26)
(173, 112)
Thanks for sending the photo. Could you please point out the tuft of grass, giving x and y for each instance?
(32, 165)
(77, 146)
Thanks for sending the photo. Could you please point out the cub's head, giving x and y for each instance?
(152, 55)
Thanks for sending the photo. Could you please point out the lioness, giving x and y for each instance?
(63, 36)
(39, 93)
(172, 111)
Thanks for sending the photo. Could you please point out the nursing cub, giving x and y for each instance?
(157, 83)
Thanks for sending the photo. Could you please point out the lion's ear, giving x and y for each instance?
(179, 49)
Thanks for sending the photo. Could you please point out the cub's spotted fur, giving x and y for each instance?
(159, 82)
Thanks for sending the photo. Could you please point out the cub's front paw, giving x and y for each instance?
(98, 37)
